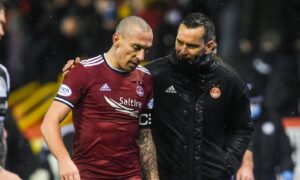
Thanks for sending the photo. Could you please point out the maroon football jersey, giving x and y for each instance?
(107, 105)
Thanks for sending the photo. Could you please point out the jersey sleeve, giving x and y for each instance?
(73, 86)
(145, 116)
(4, 90)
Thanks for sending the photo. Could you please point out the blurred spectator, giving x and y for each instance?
(15, 46)
(97, 34)
(20, 158)
(107, 10)
(276, 74)
(60, 44)
(270, 145)
(166, 32)
(153, 13)
(272, 71)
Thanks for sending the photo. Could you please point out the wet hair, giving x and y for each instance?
(127, 23)
(195, 20)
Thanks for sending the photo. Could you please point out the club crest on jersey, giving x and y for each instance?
(64, 90)
(150, 104)
(215, 92)
(140, 90)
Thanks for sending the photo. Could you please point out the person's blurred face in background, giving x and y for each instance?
(84, 3)
(69, 26)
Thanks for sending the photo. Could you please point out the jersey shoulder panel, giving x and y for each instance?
(94, 61)
(143, 69)
(73, 86)
(92, 65)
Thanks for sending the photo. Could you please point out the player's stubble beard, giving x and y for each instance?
(132, 64)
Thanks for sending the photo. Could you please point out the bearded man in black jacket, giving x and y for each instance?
(201, 121)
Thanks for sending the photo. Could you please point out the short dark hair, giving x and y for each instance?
(195, 20)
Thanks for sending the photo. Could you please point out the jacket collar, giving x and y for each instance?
(191, 69)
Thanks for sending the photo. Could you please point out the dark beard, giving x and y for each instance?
(196, 60)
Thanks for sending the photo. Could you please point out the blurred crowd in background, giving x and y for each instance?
(259, 38)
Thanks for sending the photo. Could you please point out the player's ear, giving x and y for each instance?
(210, 46)
(116, 39)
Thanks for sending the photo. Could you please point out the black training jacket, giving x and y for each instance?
(201, 119)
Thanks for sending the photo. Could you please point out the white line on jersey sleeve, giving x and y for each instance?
(91, 59)
(141, 68)
(64, 101)
(93, 64)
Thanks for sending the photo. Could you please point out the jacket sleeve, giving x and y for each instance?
(239, 127)
(285, 150)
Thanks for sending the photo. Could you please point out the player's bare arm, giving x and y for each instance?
(147, 154)
(51, 132)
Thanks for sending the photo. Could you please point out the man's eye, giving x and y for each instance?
(179, 42)
(136, 48)
(192, 46)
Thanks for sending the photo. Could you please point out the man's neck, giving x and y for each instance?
(111, 59)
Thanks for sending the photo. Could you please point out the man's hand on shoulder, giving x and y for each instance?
(70, 65)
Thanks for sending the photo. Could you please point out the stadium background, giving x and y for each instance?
(259, 38)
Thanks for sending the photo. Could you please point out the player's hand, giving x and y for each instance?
(7, 175)
(68, 170)
(245, 173)
(70, 65)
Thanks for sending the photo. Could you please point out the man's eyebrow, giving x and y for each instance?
(140, 46)
(188, 44)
